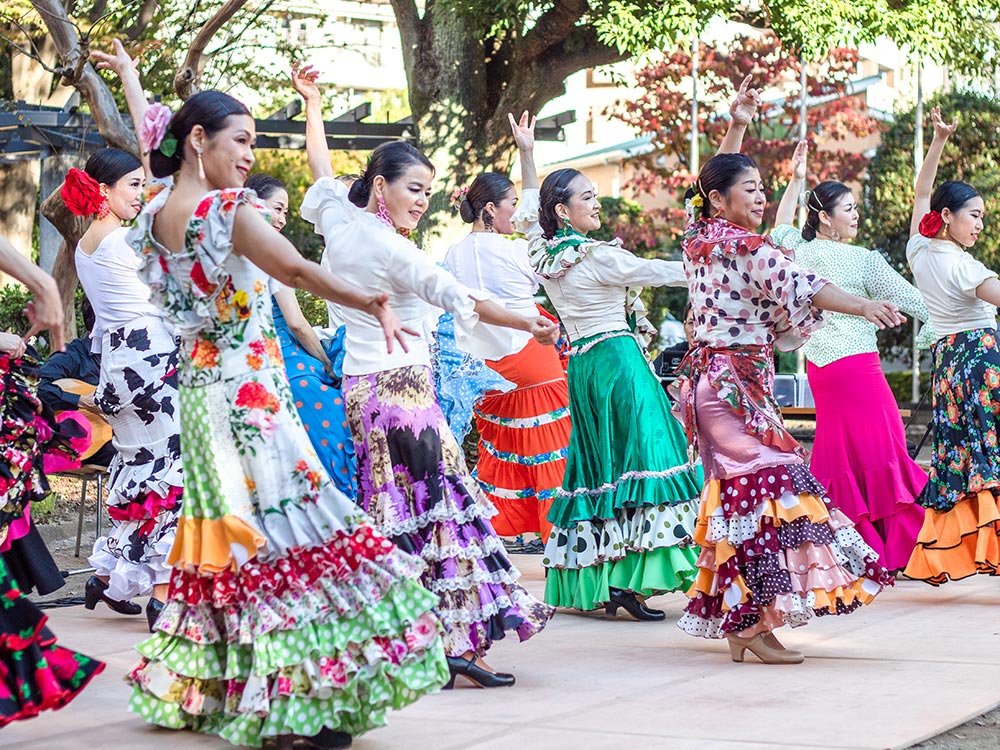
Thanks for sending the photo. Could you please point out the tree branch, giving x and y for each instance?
(553, 27)
(410, 27)
(142, 20)
(187, 78)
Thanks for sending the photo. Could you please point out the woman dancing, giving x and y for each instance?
(137, 391)
(289, 616)
(859, 453)
(776, 550)
(314, 371)
(961, 532)
(523, 432)
(36, 674)
(412, 477)
(624, 515)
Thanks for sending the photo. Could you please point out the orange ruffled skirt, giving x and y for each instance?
(524, 437)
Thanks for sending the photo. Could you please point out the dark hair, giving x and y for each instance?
(554, 190)
(952, 195)
(489, 187)
(719, 173)
(210, 109)
(264, 185)
(389, 160)
(87, 313)
(823, 197)
(108, 165)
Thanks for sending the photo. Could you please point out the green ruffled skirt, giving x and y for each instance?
(625, 515)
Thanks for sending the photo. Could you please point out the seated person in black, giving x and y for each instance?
(78, 363)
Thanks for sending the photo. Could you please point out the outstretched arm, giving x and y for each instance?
(883, 314)
(790, 200)
(741, 113)
(524, 136)
(255, 239)
(126, 68)
(928, 170)
(45, 311)
(304, 82)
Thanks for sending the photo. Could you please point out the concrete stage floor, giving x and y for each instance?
(916, 663)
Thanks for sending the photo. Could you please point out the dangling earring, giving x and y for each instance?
(488, 222)
(383, 213)
(834, 235)
(201, 167)
(105, 210)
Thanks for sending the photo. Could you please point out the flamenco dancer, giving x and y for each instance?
(961, 532)
(137, 391)
(36, 674)
(412, 477)
(523, 432)
(314, 371)
(775, 549)
(859, 453)
(289, 616)
(624, 515)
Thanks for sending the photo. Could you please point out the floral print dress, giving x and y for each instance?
(287, 610)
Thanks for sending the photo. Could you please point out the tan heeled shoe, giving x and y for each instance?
(768, 649)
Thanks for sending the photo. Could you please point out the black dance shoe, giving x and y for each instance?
(638, 610)
(153, 609)
(475, 674)
(325, 739)
(94, 593)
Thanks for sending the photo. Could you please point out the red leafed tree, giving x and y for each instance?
(664, 111)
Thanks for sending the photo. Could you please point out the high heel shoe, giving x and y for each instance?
(153, 609)
(628, 601)
(94, 593)
(475, 674)
(765, 647)
(325, 739)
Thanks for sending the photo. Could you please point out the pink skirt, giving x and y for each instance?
(860, 455)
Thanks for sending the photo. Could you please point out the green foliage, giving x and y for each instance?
(901, 384)
(14, 298)
(313, 308)
(972, 154)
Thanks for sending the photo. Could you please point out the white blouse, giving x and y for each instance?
(590, 296)
(500, 266)
(948, 276)
(110, 280)
(365, 252)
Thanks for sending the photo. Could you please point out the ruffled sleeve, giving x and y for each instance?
(326, 205)
(152, 270)
(525, 218)
(787, 237)
(791, 288)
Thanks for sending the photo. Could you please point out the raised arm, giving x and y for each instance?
(928, 170)
(524, 136)
(255, 239)
(741, 113)
(45, 311)
(790, 200)
(304, 82)
(119, 62)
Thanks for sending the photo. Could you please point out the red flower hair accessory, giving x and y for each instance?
(930, 225)
(81, 193)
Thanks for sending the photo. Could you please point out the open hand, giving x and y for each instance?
(883, 314)
(746, 103)
(119, 62)
(524, 131)
(544, 330)
(304, 79)
(45, 312)
(799, 160)
(942, 129)
(391, 324)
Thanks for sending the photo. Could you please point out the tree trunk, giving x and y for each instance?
(18, 206)
(57, 240)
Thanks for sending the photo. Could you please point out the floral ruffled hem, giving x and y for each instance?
(958, 543)
(776, 551)
(36, 674)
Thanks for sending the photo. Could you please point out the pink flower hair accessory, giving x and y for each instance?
(153, 130)
(457, 197)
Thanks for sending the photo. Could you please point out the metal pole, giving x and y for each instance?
(800, 358)
(918, 162)
(695, 154)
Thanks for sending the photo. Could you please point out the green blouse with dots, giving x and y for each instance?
(859, 271)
